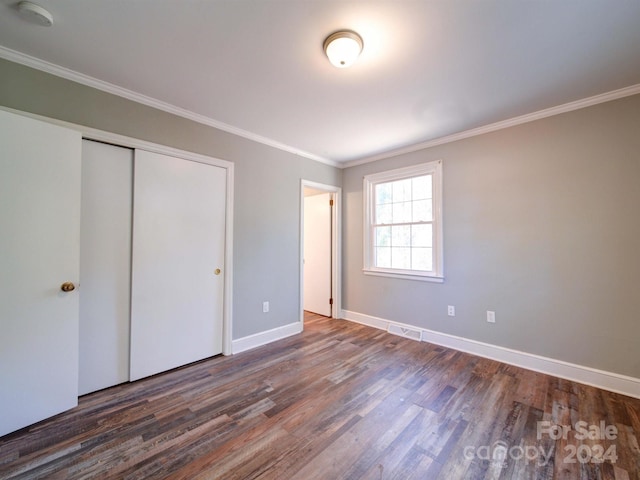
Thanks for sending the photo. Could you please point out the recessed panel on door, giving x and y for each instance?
(178, 262)
(39, 254)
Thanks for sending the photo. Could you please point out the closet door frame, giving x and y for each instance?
(129, 142)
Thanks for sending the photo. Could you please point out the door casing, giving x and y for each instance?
(336, 246)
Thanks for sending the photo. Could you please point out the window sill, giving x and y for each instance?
(405, 276)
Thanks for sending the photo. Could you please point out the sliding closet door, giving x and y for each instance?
(105, 265)
(39, 252)
(178, 270)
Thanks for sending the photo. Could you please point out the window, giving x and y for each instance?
(403, 223)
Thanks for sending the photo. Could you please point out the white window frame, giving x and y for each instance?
(370, 181)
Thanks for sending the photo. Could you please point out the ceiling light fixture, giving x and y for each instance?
(35, 14)
(343, 48)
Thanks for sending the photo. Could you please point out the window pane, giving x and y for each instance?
(402, 190)
(423, 210)
(383, 214)
(422, 259)
(401, 257)
(402, 212)
(383, 257)
(421, 187)
(383, 236)
(403, 227)
(421, 236)
(401, 236)
(383, 193)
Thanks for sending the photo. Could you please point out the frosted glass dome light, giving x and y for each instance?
(343, 48)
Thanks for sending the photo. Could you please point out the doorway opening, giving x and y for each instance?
(320, 249)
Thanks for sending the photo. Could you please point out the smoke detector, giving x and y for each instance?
(35, 14)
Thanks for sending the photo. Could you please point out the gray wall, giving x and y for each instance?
(267, 184)
(542, 225)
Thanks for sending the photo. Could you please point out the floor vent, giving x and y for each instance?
(412, 333)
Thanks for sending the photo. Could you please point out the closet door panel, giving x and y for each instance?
(105, 265)
(39, 251)
(178, 246)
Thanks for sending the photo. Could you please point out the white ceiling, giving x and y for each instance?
(256, 67)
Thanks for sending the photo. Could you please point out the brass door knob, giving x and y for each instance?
(67, 287)
(217, 271)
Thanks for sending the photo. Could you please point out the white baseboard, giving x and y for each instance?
(613, 382)
(262, 338)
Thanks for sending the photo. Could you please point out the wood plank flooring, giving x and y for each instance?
(339, 401)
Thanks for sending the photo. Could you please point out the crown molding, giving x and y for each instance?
(529, 117)
(38, 64)
(57, 70)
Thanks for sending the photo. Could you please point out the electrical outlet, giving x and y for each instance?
(451, 311)
(265, 307)
(491, 316)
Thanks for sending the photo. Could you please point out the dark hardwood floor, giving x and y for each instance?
(339, 401)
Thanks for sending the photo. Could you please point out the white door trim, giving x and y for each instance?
(336, 246)
(124, 141)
